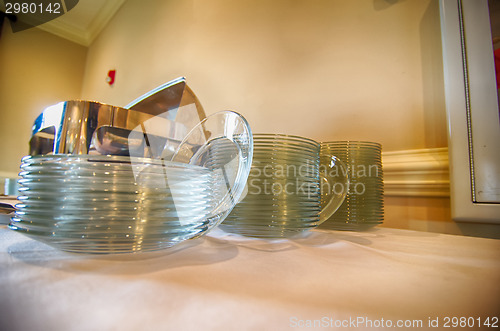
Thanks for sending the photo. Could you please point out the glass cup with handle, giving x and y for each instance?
(286, 193)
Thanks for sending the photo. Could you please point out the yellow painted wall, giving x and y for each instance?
(37, 69)
(325, 69)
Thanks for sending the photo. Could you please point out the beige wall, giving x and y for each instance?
(326, 69)
(37, 69)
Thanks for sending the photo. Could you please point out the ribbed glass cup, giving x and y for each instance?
(284, 190)
(363, 207)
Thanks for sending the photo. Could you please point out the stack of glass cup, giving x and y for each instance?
(284, 194)
(363, 206)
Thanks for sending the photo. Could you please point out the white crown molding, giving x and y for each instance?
(83, 35)
(419, 173)
(99, 22)
(67, 31)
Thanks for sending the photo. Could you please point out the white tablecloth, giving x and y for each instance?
(383, 277)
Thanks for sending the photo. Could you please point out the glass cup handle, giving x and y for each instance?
(334, 186)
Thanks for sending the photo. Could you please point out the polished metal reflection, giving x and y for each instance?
(171, 96)
(89, 127)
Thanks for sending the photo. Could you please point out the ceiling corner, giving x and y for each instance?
(84, 22)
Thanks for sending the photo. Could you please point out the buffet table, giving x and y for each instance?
(380, 278)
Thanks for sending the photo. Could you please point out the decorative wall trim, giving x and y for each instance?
(83, 35)
(67, 31)
(419, 173)
(105, 14)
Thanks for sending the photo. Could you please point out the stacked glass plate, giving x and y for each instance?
(112, 204)
(104, 179)
(363, 206)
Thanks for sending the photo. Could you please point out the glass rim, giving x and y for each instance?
(354, 143)
(85, 159)
(283, 136)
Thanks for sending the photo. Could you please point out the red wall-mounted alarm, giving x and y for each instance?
(111, 77)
